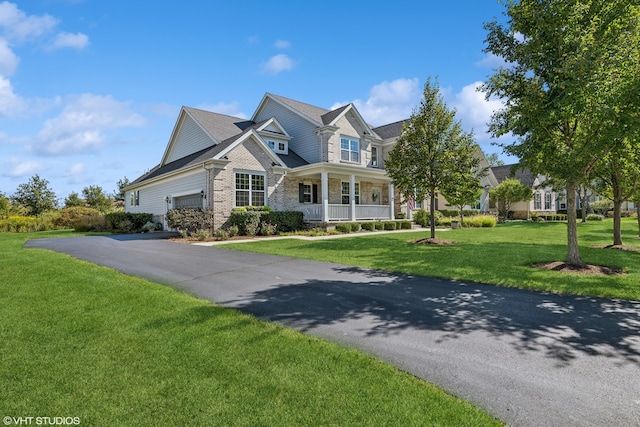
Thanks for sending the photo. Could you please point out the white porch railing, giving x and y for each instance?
(343, 212)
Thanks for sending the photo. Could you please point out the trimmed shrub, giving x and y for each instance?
(404, 225)
(389, 225)
(286, 220)
(222, 234)
(232, 231)
(248, 222)
(355, 227)
(379, 225)
(190, 219)
(595, 217)
(368, 226)
(268, 229)
(127, 222)
(343, 227)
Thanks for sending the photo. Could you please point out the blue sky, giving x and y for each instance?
(90, 89)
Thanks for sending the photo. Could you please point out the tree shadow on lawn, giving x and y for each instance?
(560, 326)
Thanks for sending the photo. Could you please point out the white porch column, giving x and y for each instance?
(352, 196)
(324, 176)
(391, 201)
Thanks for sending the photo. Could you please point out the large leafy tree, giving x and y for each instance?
(95, 198)
(431, 146)
(507, 193)
(570, 87)
(464, 186)
(618, 179)
(35, 196)
(73, 200)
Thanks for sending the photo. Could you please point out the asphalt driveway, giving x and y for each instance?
(529, 358)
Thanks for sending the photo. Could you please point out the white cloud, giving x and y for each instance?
(474, 111)
(388, 102)
(8, 60)
(16, 168)
(282, 44)
(83, 124)
(278, 63)
(74, 41)
(11, 105)
(18, 26)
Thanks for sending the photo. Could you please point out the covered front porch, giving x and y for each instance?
(338, 192)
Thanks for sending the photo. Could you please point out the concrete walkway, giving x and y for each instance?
(529, 358)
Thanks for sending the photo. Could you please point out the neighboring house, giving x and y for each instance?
(290, 155)
(545, 200)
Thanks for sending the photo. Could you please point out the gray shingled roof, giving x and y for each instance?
(523, 175)
(311, 111)
(219, 126)
(392, 130)
(331, 115)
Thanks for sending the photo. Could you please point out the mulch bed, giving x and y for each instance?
(587, 269)
(435, 241)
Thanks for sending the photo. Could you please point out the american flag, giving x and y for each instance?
(410, 203)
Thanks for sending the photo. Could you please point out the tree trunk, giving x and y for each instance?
(617, 219)
(461, 216)
(573, 257)
(432, 212)
(638, 215)
(583, 205)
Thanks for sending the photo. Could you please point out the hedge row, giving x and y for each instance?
(253, 222)
(352, 227)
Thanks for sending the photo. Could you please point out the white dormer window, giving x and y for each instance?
(278, 146)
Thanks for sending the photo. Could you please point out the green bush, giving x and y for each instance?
(343, 227)
(422, 217)
(355, 227)
(20, 224)
(222, 234)
(86, 223)
(368, 226)
(480, 221)
(389, 225)
(595, 217)
(127, 222)
(69, 216)
(404, 225)
(248, 222)
(379, 225)
(286, 220)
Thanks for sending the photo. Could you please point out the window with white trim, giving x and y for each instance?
(134, 198)
(306, 192)
(537, 204)
(278, 146)
(374, 157)
(346, 194)
(547, 201)
(349, 150)
(250, 189)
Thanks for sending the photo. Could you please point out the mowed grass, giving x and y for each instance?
(79, 340)
(502, 255)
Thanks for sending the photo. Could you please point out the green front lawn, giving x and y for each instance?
(78, 340)
(499, 255)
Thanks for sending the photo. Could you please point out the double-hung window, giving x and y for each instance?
(346, 194)
(250, 189)
(547, 201)
(537, 204)
(374, 157)
(349, 150)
